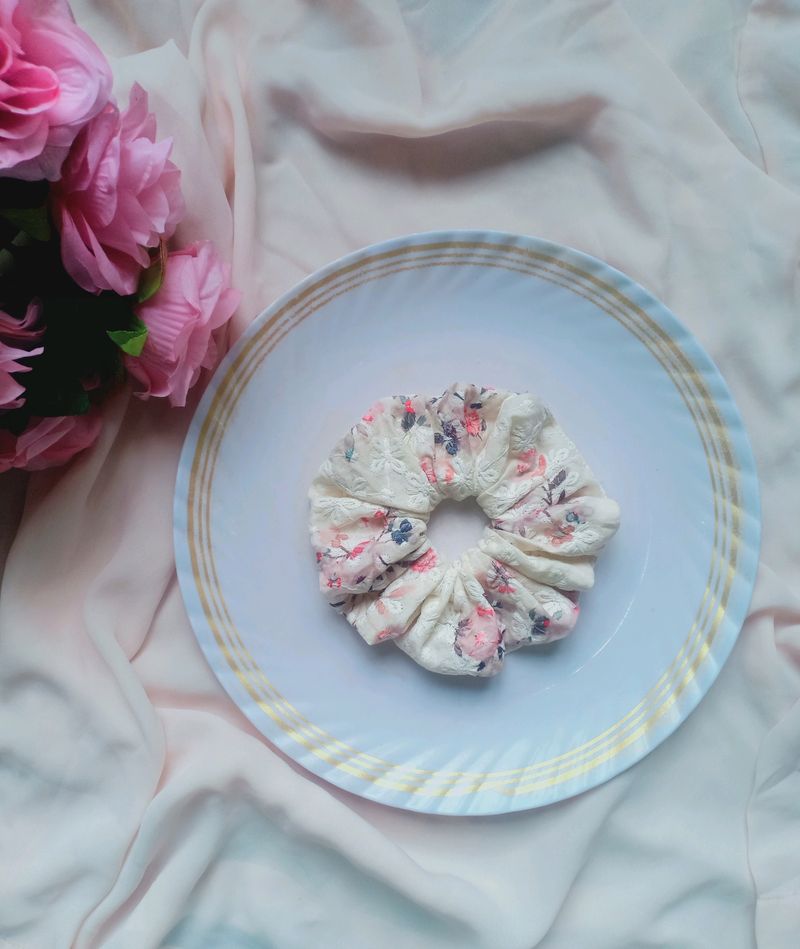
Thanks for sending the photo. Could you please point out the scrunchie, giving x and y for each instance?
(370, 504)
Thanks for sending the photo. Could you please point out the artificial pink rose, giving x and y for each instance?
(48, 442)
(12, 394)
(194, 300)
(53, 79)
(17, 339)
(119, 195)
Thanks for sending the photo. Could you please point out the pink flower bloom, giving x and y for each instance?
(525, 466)
(11, 392)
(14, 335)
(332, 537)
(194, 300)
(560, 533)
(119, 195)
(426, 562)
(358, 549)
(478, 636)
(53, 79)
(390, 632)
(374, 412)
(472, 422)
(48, 442)
(427, 469)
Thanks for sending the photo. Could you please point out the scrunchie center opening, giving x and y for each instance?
(455, 526)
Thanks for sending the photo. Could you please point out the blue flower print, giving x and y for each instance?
(449, 439)
(401, 533)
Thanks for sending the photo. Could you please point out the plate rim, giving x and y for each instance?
(744, 470)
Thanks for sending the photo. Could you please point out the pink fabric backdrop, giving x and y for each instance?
(140, 809)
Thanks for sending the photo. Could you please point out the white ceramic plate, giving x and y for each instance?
(644, 404)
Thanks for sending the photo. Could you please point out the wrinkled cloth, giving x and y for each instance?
(518, 586)
(140, 808)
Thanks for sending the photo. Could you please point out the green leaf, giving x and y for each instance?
(152, 278)
(78, 404)
(130, 341)
(33, 221)
(6, 261)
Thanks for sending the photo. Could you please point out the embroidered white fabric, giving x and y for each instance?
(549, 518)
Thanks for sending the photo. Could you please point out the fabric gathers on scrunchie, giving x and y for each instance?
(519, 586)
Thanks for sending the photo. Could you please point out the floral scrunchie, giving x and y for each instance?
(370, 504)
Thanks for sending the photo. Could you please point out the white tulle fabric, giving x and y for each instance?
(549, 518)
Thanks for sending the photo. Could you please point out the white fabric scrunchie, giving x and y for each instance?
(370, 505)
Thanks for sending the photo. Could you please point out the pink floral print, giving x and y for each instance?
(478, 635)
(427, 469)
(426, 562)
(473, 423)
